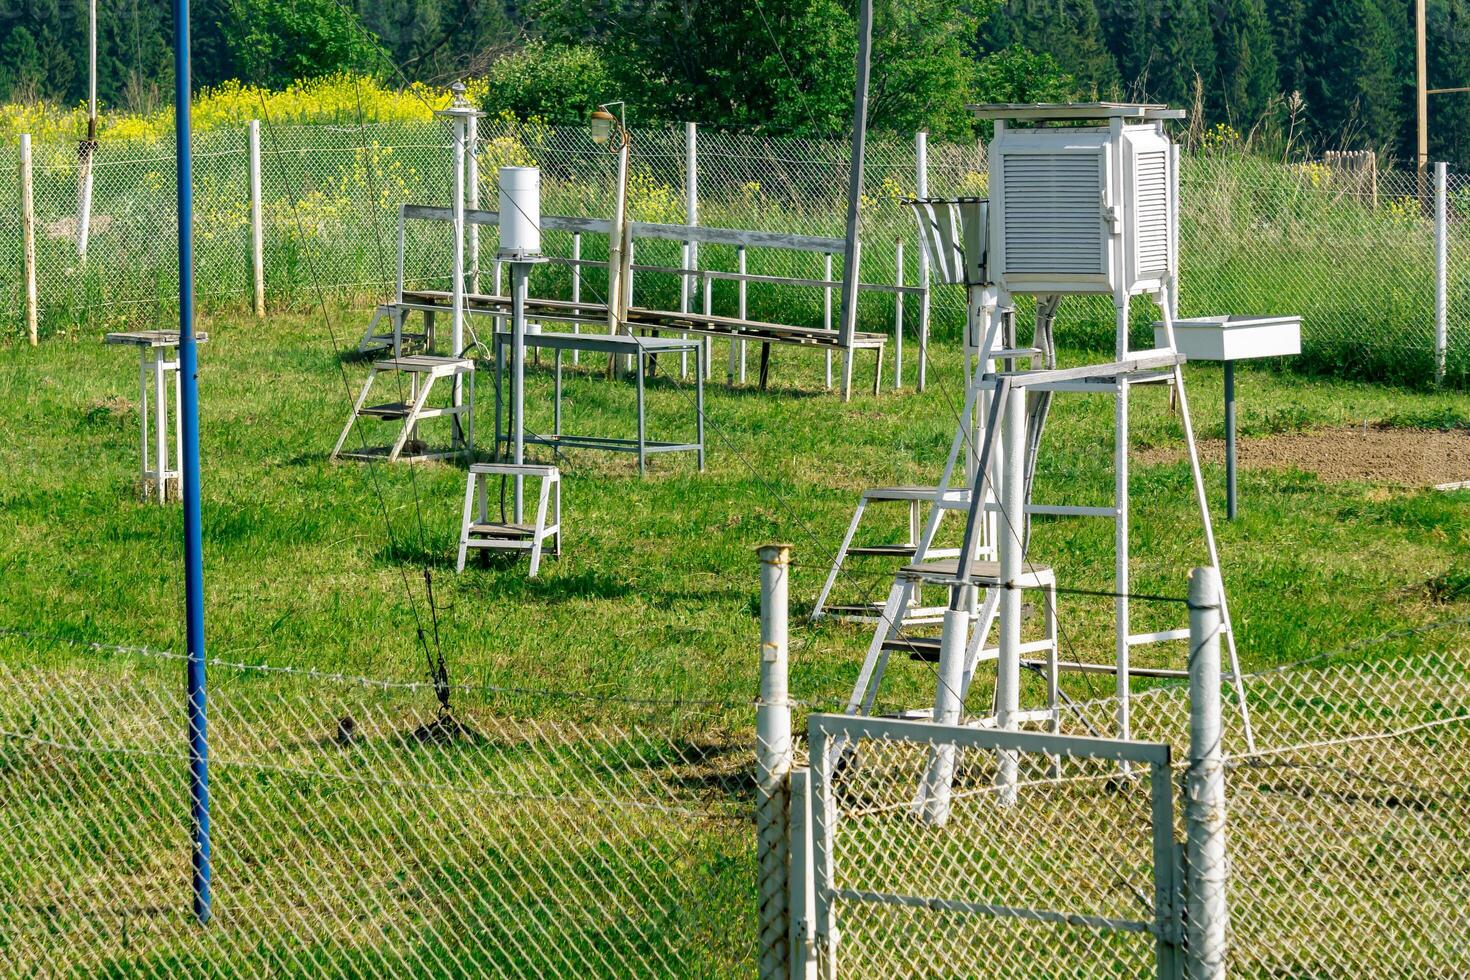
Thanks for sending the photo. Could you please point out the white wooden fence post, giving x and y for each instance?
(921, 191)
(1441, 270)
(1204, 804)
(773, 767)
(28, 237)
(257, 220)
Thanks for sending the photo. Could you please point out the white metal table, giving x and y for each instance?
(158, 357)
(639, 349)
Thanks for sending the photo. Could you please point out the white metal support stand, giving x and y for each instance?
(158, 478)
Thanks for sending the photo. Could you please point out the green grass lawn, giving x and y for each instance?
(655, 597)
(656, 591)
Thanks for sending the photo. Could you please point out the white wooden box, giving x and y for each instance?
(1234, 338)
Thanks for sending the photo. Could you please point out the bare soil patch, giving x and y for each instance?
(1402, 457)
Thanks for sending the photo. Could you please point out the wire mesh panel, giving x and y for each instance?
(358, 829)
(1033, 877)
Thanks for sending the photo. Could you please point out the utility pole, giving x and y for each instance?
(1421, 100)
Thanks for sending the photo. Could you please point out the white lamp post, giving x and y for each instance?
(612, 131)
(461, 116)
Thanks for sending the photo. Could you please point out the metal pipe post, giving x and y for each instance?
(921, 190)
(691, 207)
(193, 537)
(456, 198)
(472, 190)
(1204, 806)
(615, 243)
(1010, 553)
(847, 322)
(773, 765)
(257, 221)
(1230, 440)
(28, 239)
(576, 289)
(1121, 651)
(1441, 270)
(938, 783)
(520, 273)
(89, 145)
(898, 315)
(803, 900)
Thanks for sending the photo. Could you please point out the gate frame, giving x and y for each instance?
(1167, 926)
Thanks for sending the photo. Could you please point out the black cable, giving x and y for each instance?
(373, 475)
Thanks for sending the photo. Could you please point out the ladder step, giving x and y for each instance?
(388, 410)
(852, 609)
(495, 530)
(922, 648)
(892, 550)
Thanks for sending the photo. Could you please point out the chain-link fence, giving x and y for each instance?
(1352, 251)
(1346, 833)
(356, 830)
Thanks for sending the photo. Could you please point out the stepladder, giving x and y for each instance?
(511, 532)
(415, 376)
(159, 384)
(385, 331)
(913, 500)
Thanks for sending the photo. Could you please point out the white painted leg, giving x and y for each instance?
(934, 793)
(540, 534)
(352, 417)
(160, 428)
(852, 527)
(410, 424)
(468, 518)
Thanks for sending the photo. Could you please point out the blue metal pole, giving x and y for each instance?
(189, 423)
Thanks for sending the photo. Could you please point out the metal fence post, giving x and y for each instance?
(773, 766)
(28, 236)
(257, 221)
(921, 191)
(1204, 790)
(803, 896)
(691, 210)
(472, 190)
(1441, 269)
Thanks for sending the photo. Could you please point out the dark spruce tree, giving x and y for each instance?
(1245, 61)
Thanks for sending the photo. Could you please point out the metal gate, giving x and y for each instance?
(1049, 855)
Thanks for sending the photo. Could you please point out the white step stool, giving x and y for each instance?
(422, 371)
(957, 498)
(158, 356)
(478, 531)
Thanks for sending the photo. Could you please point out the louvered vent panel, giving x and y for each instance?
(1151, 211)
(1053, 219)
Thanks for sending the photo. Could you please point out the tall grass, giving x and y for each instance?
(1257, 235)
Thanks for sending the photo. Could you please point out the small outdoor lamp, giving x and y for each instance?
(602, 126)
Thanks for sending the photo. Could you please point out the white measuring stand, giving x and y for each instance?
(158, 358)
(1229, 339)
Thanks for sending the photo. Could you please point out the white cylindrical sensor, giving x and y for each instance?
(520, 211)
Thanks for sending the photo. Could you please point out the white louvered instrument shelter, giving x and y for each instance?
(1088, 208)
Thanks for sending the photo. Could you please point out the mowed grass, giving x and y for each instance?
(322, 566)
